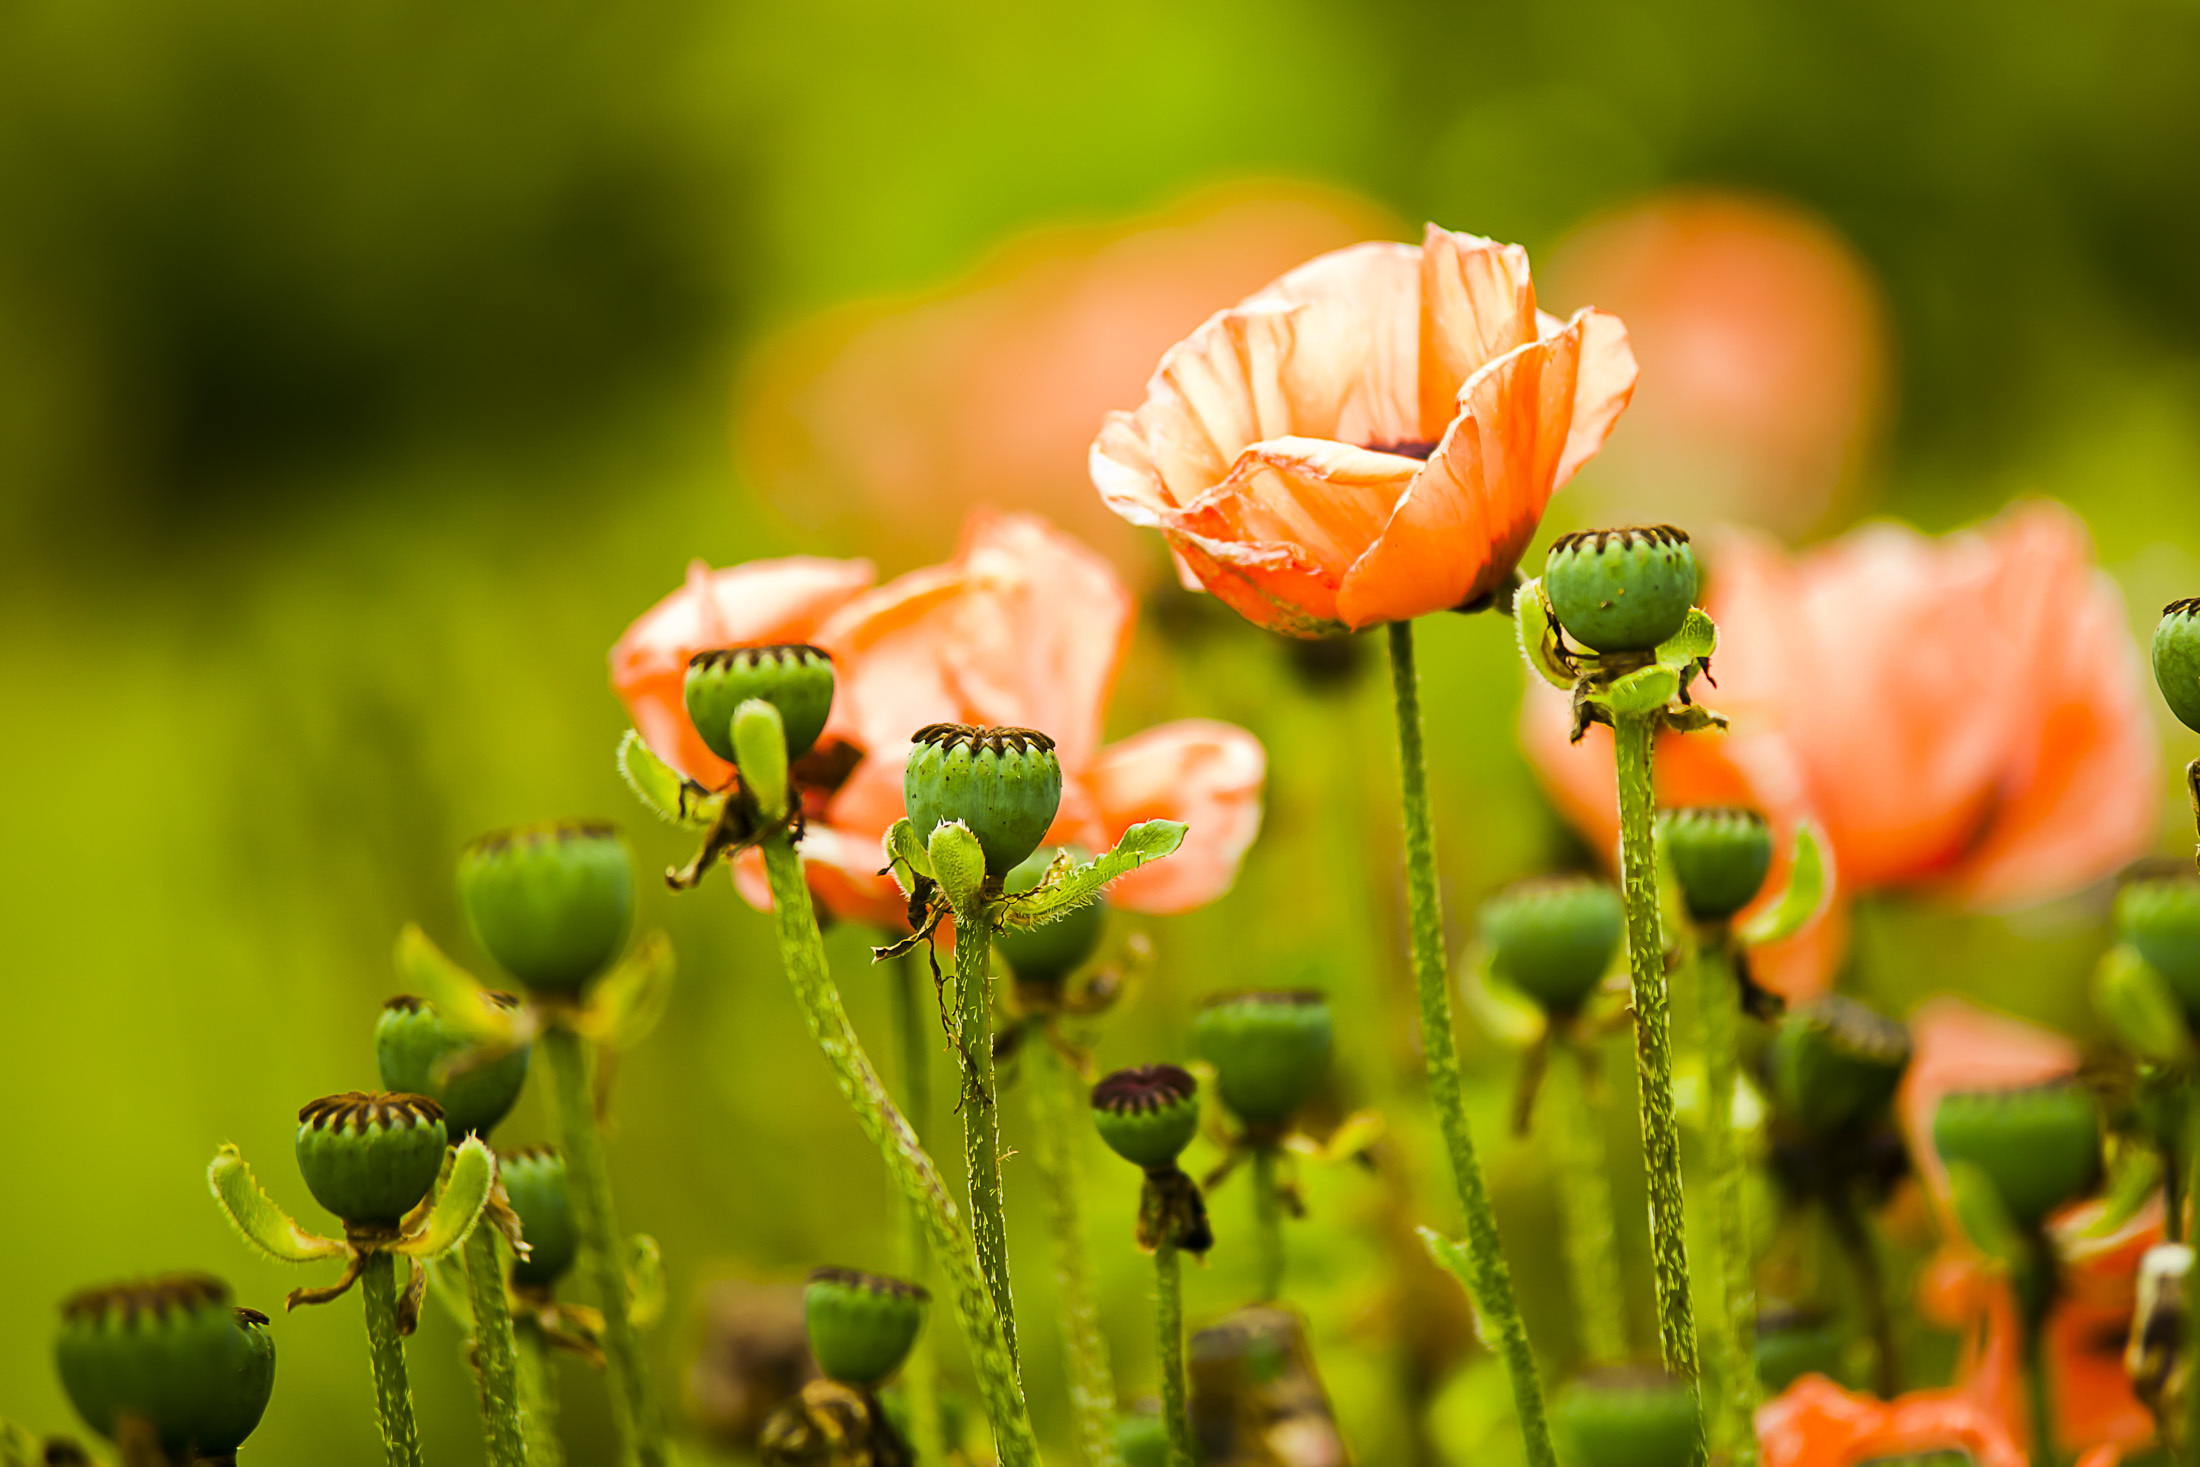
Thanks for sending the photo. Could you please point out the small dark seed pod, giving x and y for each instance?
(2160, 916)
(1147, 1115)
(1624, 590)
(795, 678)
(370, 1158)
(419, 1054)
(552, 903)
(172, 1351)
(2177, 660)
(535, 1183)
(862, 1325)
(1628, 1418)
(1270, 1051)
(1004, 783)
(1719, 856)
(1835, 1064)
(2040, 1146)
(1554, 937)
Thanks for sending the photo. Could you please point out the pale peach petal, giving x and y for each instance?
(1352, 371)
(1603, 387)
(1956, 1045)
(1208, 775)
(842, 869)
(1477, 303)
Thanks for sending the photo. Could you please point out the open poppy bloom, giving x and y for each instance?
(1816, 1423)
(1371, 438)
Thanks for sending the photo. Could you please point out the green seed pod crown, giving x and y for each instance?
(1835, 1064)
(2040, 1146)
(2177, 660)
(1622, 590)
(1553, 938)
(1147, 1115)
(795, 678)
(861, 1324)
(1047, 955)
(2160, 916)
(419, 1054)
(1004, 783)
(534, 1182)
(370, 1159)
(173, 1351)
(1628, 1418)
(1719, 856)
(1270, 1051)
(552, 903)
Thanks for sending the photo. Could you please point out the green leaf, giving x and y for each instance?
(907, 855)
(2132, 1183)
(645, 1280)
(1149, 840)
(255, 1214)
(457, 995)
(958, 863)
(2136, 1002)
(1453, 1259)
(1534, 632)
(1503, 1012)
(18, 1448)
(1805, 893)
(632, 997)
(760, 744)
(1645, 690)
(658, 785)
(1982, 1215)
(1697, 639)
(457, 1206)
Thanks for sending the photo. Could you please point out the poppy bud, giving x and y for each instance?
(1004, 783)
(2160, 916)
(1629, 1418)
(795, 678)
(1835, 1064)
(2177, 659)
(535, 1185)
(1795, 1342)
(552, 903)
(2040, 1146)
(1553, 937)
(1147, 1115)
(174, 1352)
(370, 1159)
(1047, 955)
(1720, 858)
(419, 1054)
(1621, 590)
(861, 1325)
(1270, 1051)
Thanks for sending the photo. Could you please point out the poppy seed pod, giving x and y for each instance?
(1270, 1051)
(795, 678)
(370, 1159)
(1835, 1064)
(1623, 590)
(419, 1054)
(535, 1184)
(2177, 660)
(1004, 783)
(1147, 1115)
(2160, 916)
(861, 1325)
(2040, 1146)
(174, 1352)
(1047, 955)
(552, 903)
(1720, 857)
(1553, 937)
(1628, 1418)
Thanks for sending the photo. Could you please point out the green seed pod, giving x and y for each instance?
(2177, 660)
(1835, 1064)
(2160, 916)
(419, 1054)
(1147, 1115)
(534, 1182)
(1621, 590)
(1142, 1441)
(795, 678)
(1047, 955)
(1628, 1418)
(861, 1324)
(1792, 1343)
(2040, 1146)
(1719, 856)
(173, 1351)
(1270, 1051)
(1553, 937)
(1004, 783)
(370, 1159)
(552, 903)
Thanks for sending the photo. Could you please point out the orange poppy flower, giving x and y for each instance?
(1815, 1423)
(1371, 438)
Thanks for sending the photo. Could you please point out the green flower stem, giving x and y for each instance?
(920, 1377)
(2192, 1276)
(1585, 1195)
(981, 1111)
(1733, 1327)
(1268, 1221)
(1855, 1240)
(1176, 1411)
(1493, 1292)
(631, 1409)
(496, 1365)
(1060, 1128)
(538, 1398)
(1661, 1130)
(393, 1402)
(953, 1249)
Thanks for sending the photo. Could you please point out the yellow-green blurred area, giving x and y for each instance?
(364, 369)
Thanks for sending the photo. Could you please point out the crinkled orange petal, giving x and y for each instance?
(1477, 303)
(1815, 1423)
(1208, 775)
(842, 868)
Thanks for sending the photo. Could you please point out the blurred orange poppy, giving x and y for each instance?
(1815, 1423)
(1371, 438)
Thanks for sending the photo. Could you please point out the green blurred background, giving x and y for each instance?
(364, 370)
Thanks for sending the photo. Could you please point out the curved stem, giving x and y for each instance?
(1493, 1291)
(1169, 1324)
(1585, 1197)
(921, 1375)
(1055, 1094)
(598, 1226)
(953, 1248)
(1871, 1293)
(1268, 1221)
(496, 1363)
(981, 1111)
(393, 1402)
(1734, 1325)
(538, 1396)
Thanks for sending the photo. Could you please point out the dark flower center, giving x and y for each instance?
(1419, 448)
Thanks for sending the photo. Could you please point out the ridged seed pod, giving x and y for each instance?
(1554, 937)
(2177, 660)
(552, 903)
(1004, 783)
(535, 1184)
(795, 678)
(1270, 1051)
(1835, 1064)
(1720, 857)
(370, 1158)
(419, 1054)
(1624, 590)
(861, 1325)
(173, 1351)
(2040, 1146)
(1147, 1115)
(1628, 1418)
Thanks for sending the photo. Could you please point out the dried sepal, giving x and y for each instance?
(1809, 881)
(1536, 631)
(670, 796)
(458, 1205)
(259, 1219)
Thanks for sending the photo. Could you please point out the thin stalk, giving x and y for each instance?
(953, 1248)
(1268, 1221)
(2036, 1396)
(980, 1111)
(496, 1362)
(1661, 1128)
(393, 1401)
(538, 1396)
(1060, 1129)
(2192, 1276)
(1493, 1291)
(1733, 1327)
(1585, 1199)
(632, 1411)
(1176, 1411)
(1871, 1294)
(920, 1377)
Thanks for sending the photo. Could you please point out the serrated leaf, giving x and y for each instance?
(760, 747)
(1453, 1259)
(645, 1280)
(669, 795)
(259, 1219)
(1697, 639)
(1501, 1011)
(1805, 893)
(1645, 690)
(457, 995)
(2136, 1002)
(632, 997)
(1533, 633)
(1149, 840)
(457, 1206)
(1982, 1215)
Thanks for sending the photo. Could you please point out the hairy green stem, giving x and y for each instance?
(496, 1364)
(1061, 1123)
(920, 1377)
(632, 1409)
(538, 1396)
(953, 1248)
(1176, 1412)
(1268, 1221)
(1733, 1327)
(1493, 1291)
(393, 1401)
(981, 1111)
(1585, 1198)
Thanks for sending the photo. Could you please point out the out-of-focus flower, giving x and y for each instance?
(1965, 715)
(1371, 438)
(1815, 1423)
(885, 422)
(1763, 348)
